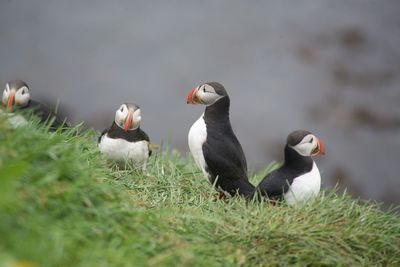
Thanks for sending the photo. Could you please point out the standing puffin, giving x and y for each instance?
(17, 96)
(124, 142)
(213, 144)
(298, 179)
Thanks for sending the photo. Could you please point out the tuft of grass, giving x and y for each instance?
(61, 205)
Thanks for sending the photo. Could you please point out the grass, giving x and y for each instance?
(61, 205)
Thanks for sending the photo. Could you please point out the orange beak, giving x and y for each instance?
(190, 96)
(321, 147)
(10, 99)
(128, 122)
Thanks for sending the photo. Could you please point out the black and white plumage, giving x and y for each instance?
(213, 144)
(16, 96)
(298, 179)
(124, 142)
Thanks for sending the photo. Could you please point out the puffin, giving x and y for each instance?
(16, 96)
(298, 179)
(213, 144)
(124, 142)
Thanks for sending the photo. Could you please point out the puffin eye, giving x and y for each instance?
(204, 89)
(23, 92)
(311, 140)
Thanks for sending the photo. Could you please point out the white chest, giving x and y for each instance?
(122, 150)
(15, 120)
(197, 137)
(304, 187)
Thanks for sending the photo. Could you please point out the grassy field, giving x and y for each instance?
(60, 205)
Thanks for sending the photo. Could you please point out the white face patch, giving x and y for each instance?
(136, 118)
(6, 94)
(206, 93)
(122, 113)
(22, 97)
(306, 145)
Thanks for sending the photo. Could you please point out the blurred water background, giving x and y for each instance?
(331, 67)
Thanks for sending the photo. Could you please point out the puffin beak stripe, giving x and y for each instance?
(321, 147)
(128, 122)
(191, 95)
(10, 99)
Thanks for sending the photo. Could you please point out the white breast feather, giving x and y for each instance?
(304, 187)
(15, 120)
(121, 150)
(197, 137)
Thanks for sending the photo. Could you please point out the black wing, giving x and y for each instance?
(45, 114)
(226, 161)
(144, 136)
(224, 156)
(102, 133)
(274, 185)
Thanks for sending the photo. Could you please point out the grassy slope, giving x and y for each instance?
(61, 206)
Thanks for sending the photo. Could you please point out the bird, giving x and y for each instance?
(16, 96)
(298, 179)
(124, 142)
(213, 144)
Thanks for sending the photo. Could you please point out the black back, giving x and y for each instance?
(45, 114)
(277, 183)
(223, 153)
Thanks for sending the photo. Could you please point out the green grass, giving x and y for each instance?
(60, 205)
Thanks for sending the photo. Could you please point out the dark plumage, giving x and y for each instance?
(223, 152)
(225, 162)
(298, 179)
(45, 114)
(276, 183)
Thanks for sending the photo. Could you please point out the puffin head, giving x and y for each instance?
(128, 117)
(206, 94)
(16, 94)
(305, 143)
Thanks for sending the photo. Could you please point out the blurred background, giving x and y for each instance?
(331, 67)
